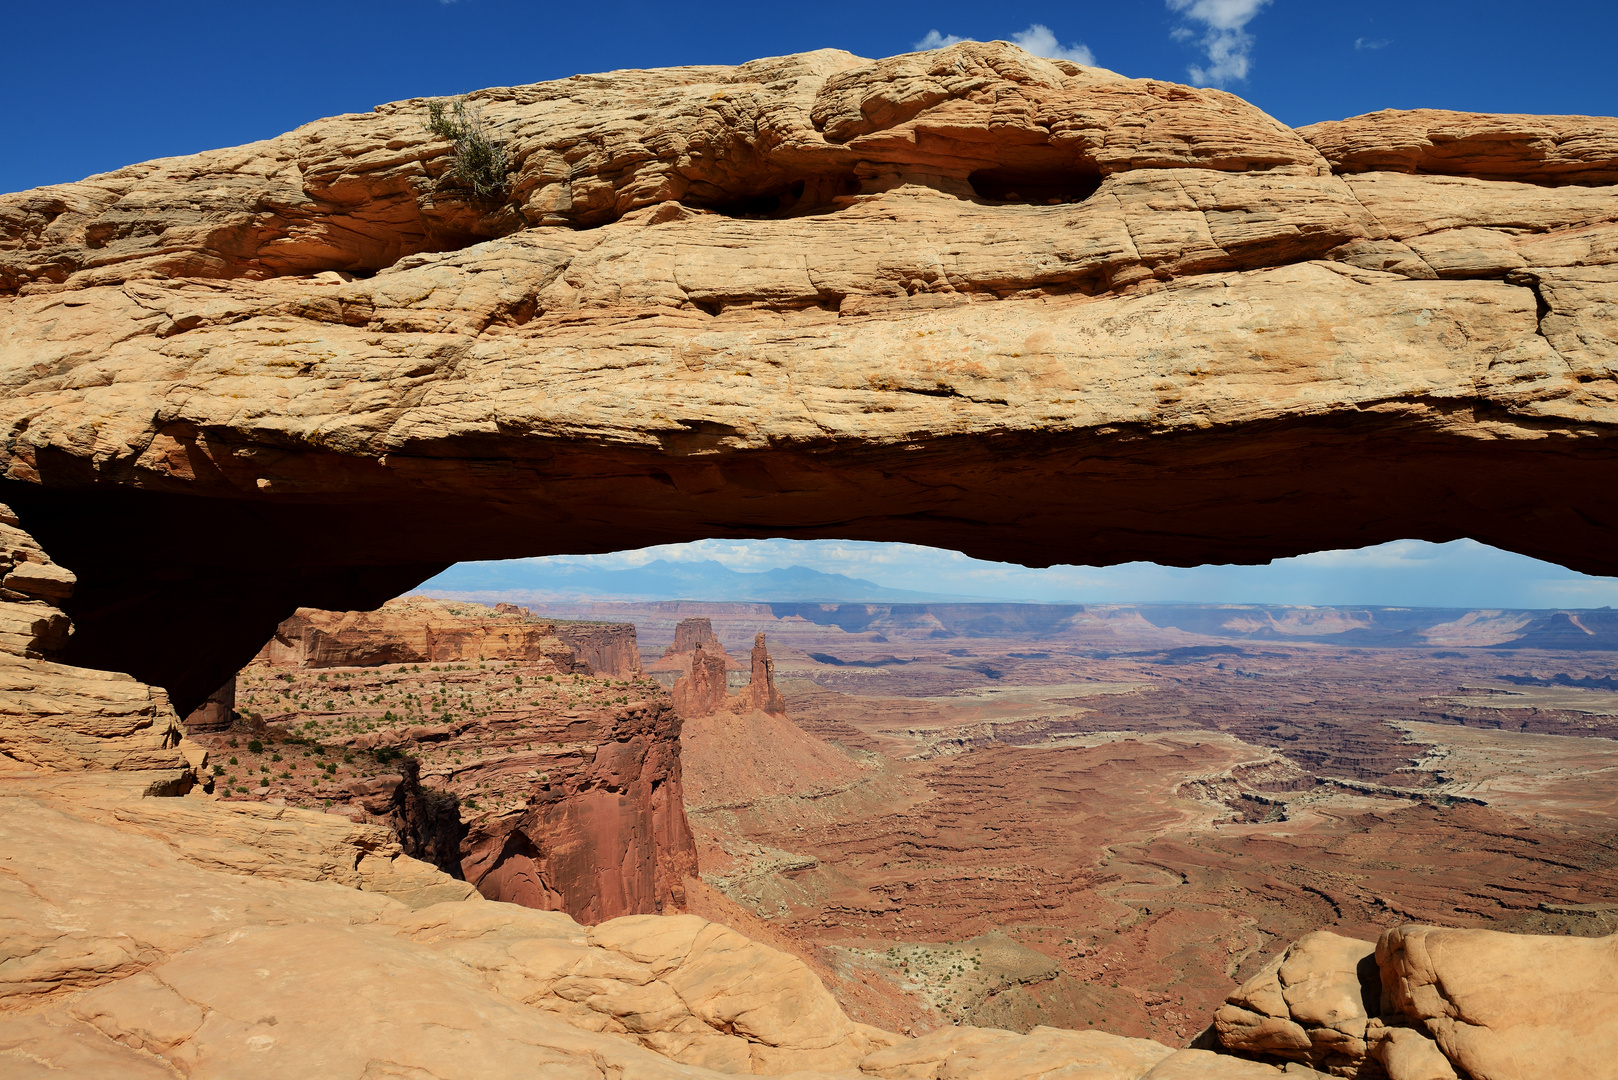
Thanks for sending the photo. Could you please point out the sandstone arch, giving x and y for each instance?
(306, 371)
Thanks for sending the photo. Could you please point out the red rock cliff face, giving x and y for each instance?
(695, 634)
(216, 713)
(609, 649)
(761, 693)
(604, 831)
(702, 689)
(543, 784)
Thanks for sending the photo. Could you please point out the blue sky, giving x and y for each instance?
(1405, 573)
(93, 86)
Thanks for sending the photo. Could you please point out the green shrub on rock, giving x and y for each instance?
(480, 161)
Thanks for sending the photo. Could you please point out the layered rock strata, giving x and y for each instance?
(597, 827)
(608, 648)
(149, 936)
(692, 634)
(59, 719)
(217, 712)
(416, 630)
(887, 299)
(545, 788)
(702, 690)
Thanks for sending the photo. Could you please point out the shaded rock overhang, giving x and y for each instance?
(968, 298)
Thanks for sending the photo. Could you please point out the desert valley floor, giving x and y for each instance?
(1012, 817)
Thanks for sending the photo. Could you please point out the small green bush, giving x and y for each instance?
(480, 162)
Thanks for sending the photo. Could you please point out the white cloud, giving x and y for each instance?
(1370, 43)
(1038, 39)
(1225, 40)
(935, 40)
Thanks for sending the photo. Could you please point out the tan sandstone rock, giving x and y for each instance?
(56, 718)
(414, 630)
(882, 299)
(968, 297)
(1506, 1006)
(1544, 149)
(1407, 1054)
(124, 927)
(1311, 1004)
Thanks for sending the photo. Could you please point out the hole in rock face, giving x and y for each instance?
(1035, 186)
(778, 200)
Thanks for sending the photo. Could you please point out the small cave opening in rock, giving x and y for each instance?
(1039, 187)
(781, 200)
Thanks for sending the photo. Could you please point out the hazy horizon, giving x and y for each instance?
(1402, 573)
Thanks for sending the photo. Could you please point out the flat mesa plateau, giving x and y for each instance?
(1110, 823)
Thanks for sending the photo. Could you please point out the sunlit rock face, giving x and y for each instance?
(970, 298)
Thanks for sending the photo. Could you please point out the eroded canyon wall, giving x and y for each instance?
(542, 783)
(609, 648)
(603, 832)
(415, 630)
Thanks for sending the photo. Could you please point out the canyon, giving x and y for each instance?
(1079, 817)
(969, 297)
(518, 768)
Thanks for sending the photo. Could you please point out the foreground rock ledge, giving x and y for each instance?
(152, 937)
(970, 298)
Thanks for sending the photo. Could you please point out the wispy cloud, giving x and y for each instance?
(1038, 39)
(1371, 43)
(1225, 40)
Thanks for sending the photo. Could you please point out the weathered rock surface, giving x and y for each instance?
(608, 648)
(126, 927)
(1311, 1004)
(540, 784)
(217, 712)
(1505, 1006)
(1429, 1003)
(147, 937)
(1531, 149)
(970, 298)
(56, 718)
(692, 634)
(415, 630)
(603, 832)
(703, 689)
(761, 694)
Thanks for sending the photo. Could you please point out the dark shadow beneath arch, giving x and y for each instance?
(1038, 187)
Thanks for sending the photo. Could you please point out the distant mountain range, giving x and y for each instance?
(856, 605)
(528, 581)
